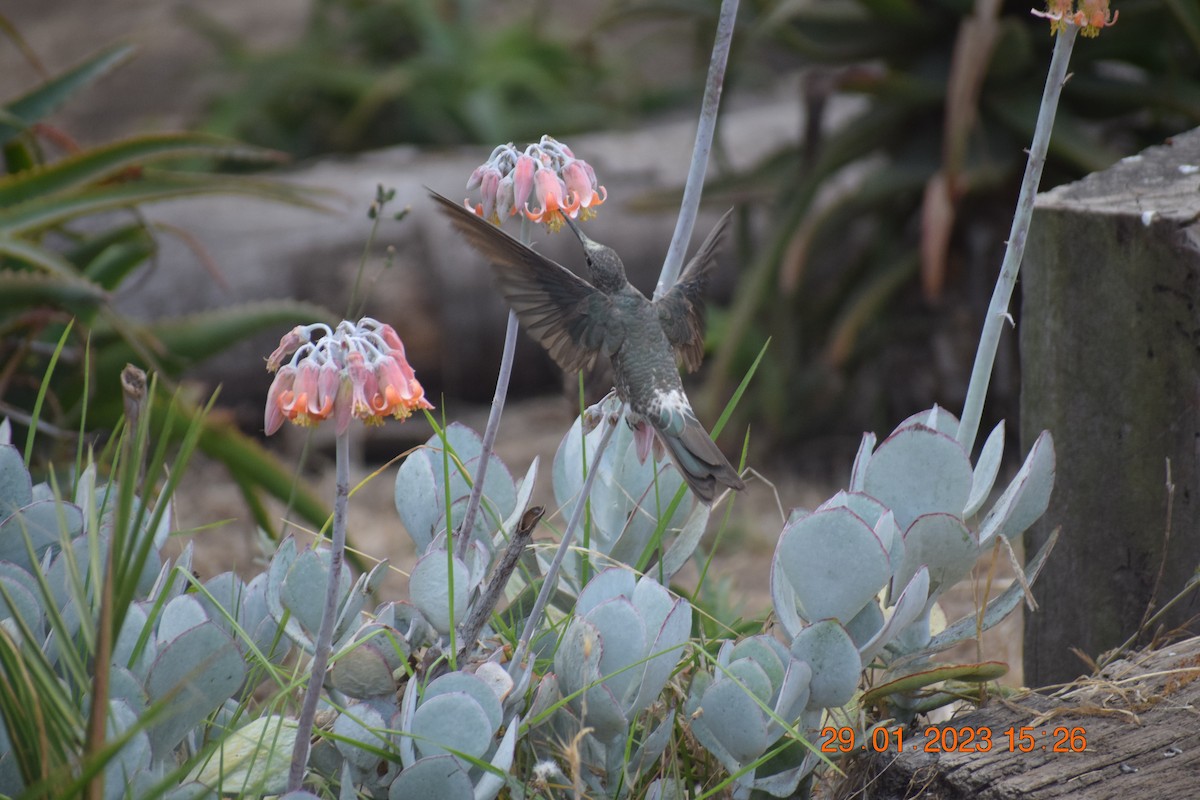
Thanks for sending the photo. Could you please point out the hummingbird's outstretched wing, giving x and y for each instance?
(564, 313)
(681, 310)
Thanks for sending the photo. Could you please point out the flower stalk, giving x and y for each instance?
(356, 370)
(997, 313)
(320, 660)
(705, 130)
(489, 436)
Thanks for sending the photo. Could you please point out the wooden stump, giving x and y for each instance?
(1132, 732)
(1110, 352)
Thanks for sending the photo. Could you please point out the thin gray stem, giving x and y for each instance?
(551, 580)
(489, 436)
(324, 644)
(997, 312)
(705, 130)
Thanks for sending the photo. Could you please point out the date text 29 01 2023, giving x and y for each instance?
(936, 739)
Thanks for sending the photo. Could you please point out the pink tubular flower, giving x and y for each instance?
(487, 190)
(523, 180)
(285, 379)
(391, 338)
(356, 370)
(506, 202)
(1096, 15)
(552, 195)
(581, 182)
(302, 403)
(364, 389)
(289, 344)
(546, 171)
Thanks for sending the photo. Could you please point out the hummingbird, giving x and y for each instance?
(577, 321)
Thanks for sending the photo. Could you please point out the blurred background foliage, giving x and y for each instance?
(375, 73)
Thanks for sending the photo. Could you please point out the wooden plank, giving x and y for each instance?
(1140, 718)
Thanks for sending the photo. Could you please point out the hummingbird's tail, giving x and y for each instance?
(699, 461)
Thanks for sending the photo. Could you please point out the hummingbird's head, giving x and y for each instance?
(607, 271)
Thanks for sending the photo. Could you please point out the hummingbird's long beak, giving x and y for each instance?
(575, 228)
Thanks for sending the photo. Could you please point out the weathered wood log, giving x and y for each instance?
(1110, 364)
(1131, 732)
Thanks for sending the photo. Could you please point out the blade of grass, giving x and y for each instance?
(42, 390)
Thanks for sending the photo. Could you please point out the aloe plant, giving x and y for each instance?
(59, 261)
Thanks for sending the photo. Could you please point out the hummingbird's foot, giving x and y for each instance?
(594, 414)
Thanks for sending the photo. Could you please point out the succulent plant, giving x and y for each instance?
(186, 655)
(173, 663)
(739, 711)
(613, 661)
(251, 761)
(635, 506)
(368, 666)
(876, 558)
(421, 487)
(620, 648)
(292, 603)
(453, 724)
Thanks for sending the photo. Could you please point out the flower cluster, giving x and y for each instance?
(356, 370)
(1089, 17)
(559, 182)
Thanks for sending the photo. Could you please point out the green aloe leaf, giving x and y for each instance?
(36, 256)
(87, 249)
(1073, 140)
(21, 290)
(194, 337)
(830, 34)
(100, 163)
(44, 212)
(1187, 15)
(121, 256)
(45, 98)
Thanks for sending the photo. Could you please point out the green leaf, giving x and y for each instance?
(192, 338)
(42, 213)
(37, 257)
(21, 290)
(983, 671)
(17, 154)
(96, 256)
(1187, 16)
(38, 103)
(99, 163)
(114, 263)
